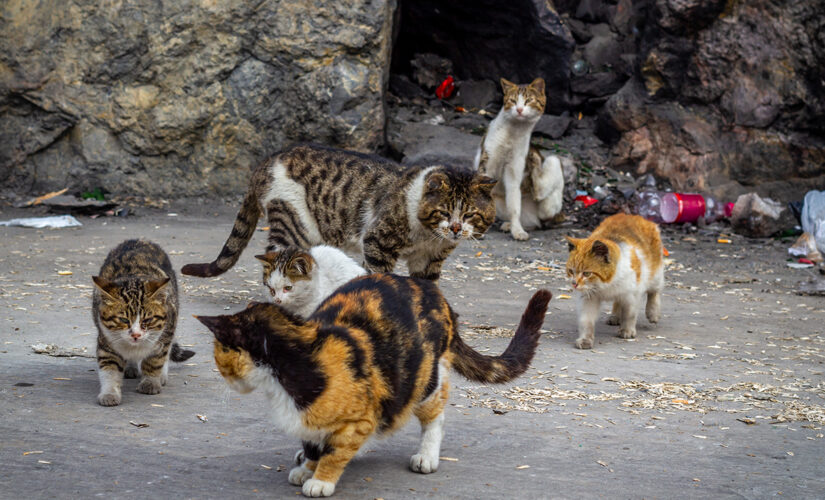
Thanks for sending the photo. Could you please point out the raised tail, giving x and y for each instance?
(178, 354)
(515, 359)
(241, 233)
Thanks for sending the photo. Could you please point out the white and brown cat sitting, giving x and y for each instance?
(620, 261)
(530, 188)
(373, 354)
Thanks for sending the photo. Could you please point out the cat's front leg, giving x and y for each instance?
(588, 313)
(428, 266)
(512, 202)
(343, 445)
(155, 372)
(615, 317)
(381, 250)
(629, 308)
(111, 380)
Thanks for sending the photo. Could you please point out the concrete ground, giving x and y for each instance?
(722, 399)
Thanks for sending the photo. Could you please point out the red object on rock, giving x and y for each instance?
(803, 260)
(587, 200)
(446, 88)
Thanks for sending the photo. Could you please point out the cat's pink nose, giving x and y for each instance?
(575, 284)
(519, 110)
(277, 300)
(136, 335)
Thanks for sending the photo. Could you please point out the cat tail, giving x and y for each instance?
(515, 359)
(241, 233)
(178, 354)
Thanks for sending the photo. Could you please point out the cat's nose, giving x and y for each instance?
(277, 300)
(519, 110)
(136, 335)
(575, 284)
(455, 227)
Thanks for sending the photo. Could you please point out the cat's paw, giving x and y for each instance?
(299, 475)
(627, 333)
(505, 227)
(653, 318)
(584, 343)
(317, 488)
(149, 386)
(108, 399)
(613, 320)
(131, 372)
(423, 463)
(520, 235)
(299, 457)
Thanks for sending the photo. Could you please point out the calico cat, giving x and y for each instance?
(620, 261)
(299, 280)
(373, 353)
(531, 187)
(363, 204)
(135, 309)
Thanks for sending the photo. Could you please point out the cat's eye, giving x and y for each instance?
(469, 216)
(124, 320)
(444, 214)
(586, 274)
(288, 288)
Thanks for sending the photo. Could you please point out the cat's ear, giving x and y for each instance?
(155, 286)
(108, 288)
(538, 85)
(267, 258)
(301, 263)
(572, 243)
(599, 249)
(436, 181)
(507, 85)
(484, 183)
(224, 329)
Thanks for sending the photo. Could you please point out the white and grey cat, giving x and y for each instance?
(300, 280)
(531, 187)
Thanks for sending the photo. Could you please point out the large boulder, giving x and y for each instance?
(183, 98)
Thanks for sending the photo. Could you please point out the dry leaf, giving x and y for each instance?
(563, 296)
(64, 273)
(202, 418)
(603, 464)
(138, 425)
(523, 467)
(448, 459)
(32, 452)
(266, 467)
(43, 462)
(60, 378)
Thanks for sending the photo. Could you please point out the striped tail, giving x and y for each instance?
(179, 354)
(515, 359)
(241, 233)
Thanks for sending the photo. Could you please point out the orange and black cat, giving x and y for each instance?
(373, 353)
(620, 261)
(363, 204)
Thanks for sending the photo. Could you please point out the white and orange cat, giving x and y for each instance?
(620, 261)
(531, 187)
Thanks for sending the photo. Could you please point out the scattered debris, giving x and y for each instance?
(757, 217)
(202, 418)
(138, 425)
(61, 352)
(40, 199)
(55, 222)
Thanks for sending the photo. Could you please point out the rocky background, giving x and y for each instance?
(182, 98)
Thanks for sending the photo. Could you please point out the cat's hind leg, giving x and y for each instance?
(431, 415)
(588, 313)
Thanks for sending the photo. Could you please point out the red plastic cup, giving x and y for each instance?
(681, 207)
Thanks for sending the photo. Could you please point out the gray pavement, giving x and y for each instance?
(723, 399)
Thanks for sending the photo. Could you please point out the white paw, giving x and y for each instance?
(423, 463)
(627, 333)
(108, 399)
(299, 475)
(299, 457)
(584, 343)
(505, 227)
(317, 488)
(520, 235)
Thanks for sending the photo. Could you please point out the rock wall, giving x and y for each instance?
(726, 96)
(180, 98)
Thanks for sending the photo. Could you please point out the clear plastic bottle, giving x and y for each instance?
(659, 207)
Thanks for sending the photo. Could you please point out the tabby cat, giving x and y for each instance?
(375, 352)
(531, 189)
(135, 309)
(620, 261)
(362, 204)
(299, 280)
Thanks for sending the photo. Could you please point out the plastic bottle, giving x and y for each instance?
(658, 206)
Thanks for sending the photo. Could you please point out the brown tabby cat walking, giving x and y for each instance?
(375, 352)
(364, 204)
(135, 309)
